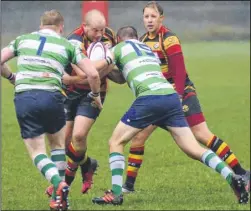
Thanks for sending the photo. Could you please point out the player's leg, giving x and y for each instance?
(86, 114)
(138, 117)
(89, 165)
(77, 150)
(198, 125)
(135, 157)
(30, 109)
(120, 137)
(54, 123)
(185, 139)
(70, 112)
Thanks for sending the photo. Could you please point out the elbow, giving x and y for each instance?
(121, 81)
(94, 76)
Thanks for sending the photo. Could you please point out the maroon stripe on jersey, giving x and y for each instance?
(173, 50)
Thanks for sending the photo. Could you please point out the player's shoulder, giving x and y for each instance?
(168, 33)
(76, 34)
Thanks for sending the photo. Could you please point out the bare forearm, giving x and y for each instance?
(5, 71)
(116, 76)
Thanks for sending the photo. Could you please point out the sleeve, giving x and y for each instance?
(176, 62)
(114, 50)
(13, 45)
(77, 41)
(77, 55)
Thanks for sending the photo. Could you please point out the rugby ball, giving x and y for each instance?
(96, 51)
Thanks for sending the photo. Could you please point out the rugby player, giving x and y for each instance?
(156, 103)
(81, 112)
(41, 59)
(167, 48)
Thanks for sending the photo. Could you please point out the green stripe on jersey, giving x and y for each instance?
(43, 51)
(141, 69)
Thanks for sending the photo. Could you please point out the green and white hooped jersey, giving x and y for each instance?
(41, 59)
(141, 69)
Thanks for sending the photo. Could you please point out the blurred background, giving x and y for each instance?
(190, 20)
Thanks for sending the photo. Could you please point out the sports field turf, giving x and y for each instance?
(168, 179)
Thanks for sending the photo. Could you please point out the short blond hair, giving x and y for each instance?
(154, 5)
(51, 17)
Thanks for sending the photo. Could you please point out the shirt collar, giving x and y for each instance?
(49, 31)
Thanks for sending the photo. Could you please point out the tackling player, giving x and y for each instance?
(167, 48)
(41, 59)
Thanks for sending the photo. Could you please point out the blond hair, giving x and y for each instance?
(51, 18)
(154, 5)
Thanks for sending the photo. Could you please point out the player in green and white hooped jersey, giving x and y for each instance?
(156, 103)
(41, 59)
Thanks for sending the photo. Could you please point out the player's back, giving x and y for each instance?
(42, 58)
(141, 69)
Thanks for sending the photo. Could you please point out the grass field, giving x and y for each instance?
(168, 179)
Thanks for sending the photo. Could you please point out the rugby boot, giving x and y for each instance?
(60, 202)
(239, 187)
(88, 176)
(108, 198)
(246, 178)
(126, 188)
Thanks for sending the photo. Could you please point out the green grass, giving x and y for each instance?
(168, 179)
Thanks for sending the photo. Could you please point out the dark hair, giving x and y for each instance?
(127, 31)
(155, 5)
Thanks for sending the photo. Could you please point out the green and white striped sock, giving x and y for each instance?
(214, 162)
(48, 169)
(117, 165)
(58, 157)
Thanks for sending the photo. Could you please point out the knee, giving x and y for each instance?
(117, 142)
(79, 141)
(79, 138)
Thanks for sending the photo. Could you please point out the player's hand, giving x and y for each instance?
(66, 79)
(96, 98)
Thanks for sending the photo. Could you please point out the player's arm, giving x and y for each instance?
(176, 62)
(116, 76)
(7, 74)
(8, 53)
(102, 66)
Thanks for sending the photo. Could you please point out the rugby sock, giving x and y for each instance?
(135, 160)
(58, 157)
(48, 169)
(213, 161)
(74, 158)
(117, 165)
(84, 165)
(225, 153)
